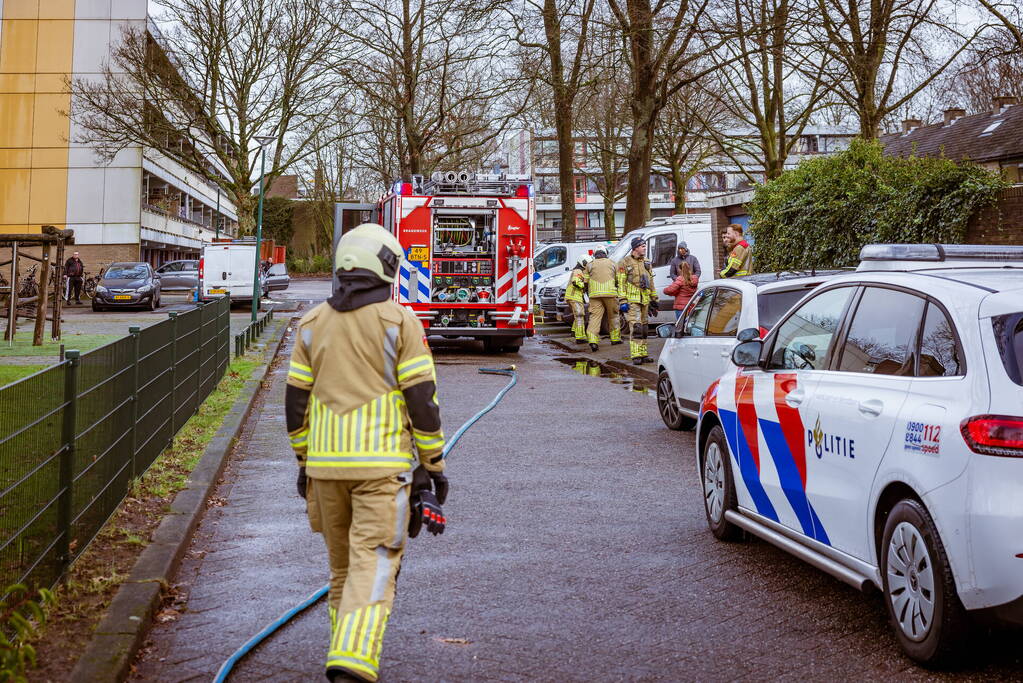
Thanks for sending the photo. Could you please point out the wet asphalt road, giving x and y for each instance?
(577, 550)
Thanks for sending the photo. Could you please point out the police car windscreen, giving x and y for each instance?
(772, 305)
(1009, 337)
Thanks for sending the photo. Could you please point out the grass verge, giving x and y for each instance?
(83, 597)
(80, 341)
(12, 373)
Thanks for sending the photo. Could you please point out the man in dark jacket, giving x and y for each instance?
(75, 271)
(675, 264)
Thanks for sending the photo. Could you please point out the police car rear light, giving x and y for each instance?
(994, 435)
(940, 252)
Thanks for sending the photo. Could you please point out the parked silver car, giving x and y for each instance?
(179, 275)
(277, 277)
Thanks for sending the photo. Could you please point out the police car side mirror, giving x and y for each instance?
(747, 354)
(666, 330)
(749, 334)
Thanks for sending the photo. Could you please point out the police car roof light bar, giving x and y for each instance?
(940, 252)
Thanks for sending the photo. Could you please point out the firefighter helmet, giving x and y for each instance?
(370, 247)
(585, 261)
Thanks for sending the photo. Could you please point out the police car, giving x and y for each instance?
(877, 433)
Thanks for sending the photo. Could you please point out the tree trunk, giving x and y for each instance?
(609, 218)
(566, 170)
(680, 180)
(246, 205)
(637, 197)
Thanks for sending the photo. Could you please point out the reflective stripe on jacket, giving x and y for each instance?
(576, 286)
(636, 281)
(602, 281)
(740, 260)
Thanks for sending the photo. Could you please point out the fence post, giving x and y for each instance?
(135, 332)
(67, 457)
(198, 371)
(174, 375)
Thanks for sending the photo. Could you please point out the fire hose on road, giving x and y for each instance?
(228, 665)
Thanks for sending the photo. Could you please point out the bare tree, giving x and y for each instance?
(559, 32)
(1009, 13)
(223, 73)
(775, 83)
(884, 52)
(432, 79)
(665, 41)
(685, 139)
(991, 71)
(603, 122)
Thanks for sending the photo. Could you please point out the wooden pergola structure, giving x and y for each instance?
(49, 237)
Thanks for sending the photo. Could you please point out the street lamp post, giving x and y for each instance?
(263, 141)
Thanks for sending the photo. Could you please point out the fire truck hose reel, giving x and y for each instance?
(228, 665)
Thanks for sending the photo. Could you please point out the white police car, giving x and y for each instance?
(877, 433)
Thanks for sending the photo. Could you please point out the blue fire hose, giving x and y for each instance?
(227, 666)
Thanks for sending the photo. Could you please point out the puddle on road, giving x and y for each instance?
(592, 368)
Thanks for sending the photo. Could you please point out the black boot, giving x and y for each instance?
(616, 342)
(580, 341)
(593, 347)
(637, 360)
(648, 359)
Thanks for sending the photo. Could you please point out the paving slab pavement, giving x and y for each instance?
(577, 550)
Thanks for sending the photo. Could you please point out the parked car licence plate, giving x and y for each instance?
(122, 297)
(217, 291)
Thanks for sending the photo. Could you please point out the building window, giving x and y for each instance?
(596, 219)
(580, 188)
(808, 144)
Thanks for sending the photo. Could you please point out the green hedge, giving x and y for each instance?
(819, 214)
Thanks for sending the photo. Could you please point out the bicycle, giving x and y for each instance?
(29, 287)
(89, 283)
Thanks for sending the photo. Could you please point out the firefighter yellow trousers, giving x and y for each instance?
(599, 307)
(636, 319)
(364, 524)
(578, 320)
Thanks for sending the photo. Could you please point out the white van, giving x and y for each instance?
(227, 269)
(559, 257)
(662, 236)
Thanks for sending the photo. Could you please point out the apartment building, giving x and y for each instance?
(536, 153)
(140, 205)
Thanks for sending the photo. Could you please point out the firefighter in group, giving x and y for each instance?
(603, 292)
(740, 258)
(361, 408)
(574, 296)
(636, 294)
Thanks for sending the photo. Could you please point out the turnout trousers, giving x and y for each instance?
(636, 319)
(365, 524)
(578, 320)
(599, 306)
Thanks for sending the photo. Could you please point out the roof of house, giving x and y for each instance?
(978, 137)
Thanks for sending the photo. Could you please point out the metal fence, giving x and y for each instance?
(76, 434)
(246, 337)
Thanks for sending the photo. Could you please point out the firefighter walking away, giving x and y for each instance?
(638, 298)
(361, 407)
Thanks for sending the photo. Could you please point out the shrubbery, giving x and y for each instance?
(317, 263)
(819, 214)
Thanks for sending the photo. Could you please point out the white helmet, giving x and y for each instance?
(371, 247)
(585, 260)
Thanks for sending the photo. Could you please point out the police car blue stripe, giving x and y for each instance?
(747, 468)
(791, 482)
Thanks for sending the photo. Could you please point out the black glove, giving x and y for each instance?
(653, 308)
(301, 483)
(425, 480)
(426, 510)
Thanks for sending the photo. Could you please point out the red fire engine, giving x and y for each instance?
(468, 241)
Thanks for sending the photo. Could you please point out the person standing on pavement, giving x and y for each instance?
(683, 288)
(74, 269)
(740, 258)
(574, 296)
(361, 405)
(684, 256)
(603, 291)
(636, 294)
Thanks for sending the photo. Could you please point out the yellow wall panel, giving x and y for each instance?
(48, 203)
(17, 83)
(18, 46)
(22, 9)
(18, 158)
(54, 43)
(49, 157)
(16, 111)
(51, 82)
(14, 184)
(50, 127)
(57, 9)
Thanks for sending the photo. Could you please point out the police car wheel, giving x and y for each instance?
(667, 406)
(919, 590)
(718, 488)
